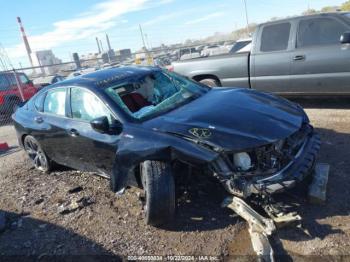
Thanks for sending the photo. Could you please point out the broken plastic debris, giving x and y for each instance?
(318, 188)
(259, 227)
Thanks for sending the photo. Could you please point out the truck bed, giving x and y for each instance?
(206, 67)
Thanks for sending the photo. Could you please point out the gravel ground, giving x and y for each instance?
(43, 216)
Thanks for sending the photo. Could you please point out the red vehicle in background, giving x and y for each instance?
(13, 92)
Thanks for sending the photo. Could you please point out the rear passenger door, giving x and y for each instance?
(51, 123)
(320, 63)
(270, 60)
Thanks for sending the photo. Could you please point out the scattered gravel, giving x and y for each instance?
(75, 213)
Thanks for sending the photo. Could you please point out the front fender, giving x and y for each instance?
(134, 149)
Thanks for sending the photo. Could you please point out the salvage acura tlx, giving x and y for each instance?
(133, 124)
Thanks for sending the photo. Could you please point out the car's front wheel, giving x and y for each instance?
(36, 154)
(159, 187)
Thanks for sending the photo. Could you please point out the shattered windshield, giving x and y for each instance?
(155, 93)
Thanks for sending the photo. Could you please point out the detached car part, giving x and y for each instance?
(260, 228)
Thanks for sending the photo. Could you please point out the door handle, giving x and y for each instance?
(38, 119)
(73, 132)
(299, 57)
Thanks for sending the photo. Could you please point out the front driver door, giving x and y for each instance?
(320, 63)
(89, 149)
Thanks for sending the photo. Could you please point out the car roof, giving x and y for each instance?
(107, 77)
(326, 14)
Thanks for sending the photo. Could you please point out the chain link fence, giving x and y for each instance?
(15, 88)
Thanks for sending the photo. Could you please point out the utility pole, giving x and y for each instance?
(108, 43)
(98, 46)
(143, 39)
(147, 42)
(101, 46)
(246, 15)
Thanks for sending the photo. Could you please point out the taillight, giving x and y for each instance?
(1, 100)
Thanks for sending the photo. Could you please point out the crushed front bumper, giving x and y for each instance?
(298, 169)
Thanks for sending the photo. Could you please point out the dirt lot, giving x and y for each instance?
(44, 218)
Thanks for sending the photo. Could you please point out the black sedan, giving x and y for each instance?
(133, 124)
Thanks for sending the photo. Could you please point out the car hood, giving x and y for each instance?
(233, 119)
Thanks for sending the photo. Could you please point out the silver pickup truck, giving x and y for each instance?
(307, 55)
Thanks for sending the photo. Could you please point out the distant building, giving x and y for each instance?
(123, 54)
(47, 58)
(90, 59)
(108, 56)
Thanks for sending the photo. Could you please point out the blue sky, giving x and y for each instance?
(67, 26)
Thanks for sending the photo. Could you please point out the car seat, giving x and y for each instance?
(135, 101)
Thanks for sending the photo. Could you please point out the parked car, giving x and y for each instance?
(306, 55)
(10, 95)
(188, 50)
(211, 50)
(190, 56)
(40, 82)
(133, 125)
(241, 45)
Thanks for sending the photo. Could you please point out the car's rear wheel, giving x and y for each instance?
(36, 154)
(210, 82)
(159, 188)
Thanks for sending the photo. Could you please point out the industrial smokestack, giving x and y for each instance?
(98, 46)
(108, 43)
(25, 41)
(101, 46)
(76, 60)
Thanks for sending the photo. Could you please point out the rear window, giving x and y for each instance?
(319, 31)
(275, 37)
(239, 45)
(6, 81)
(39, 102)
(55, 102)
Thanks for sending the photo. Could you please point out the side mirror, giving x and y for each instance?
(116, 127)
(345, 38)
(100, 124)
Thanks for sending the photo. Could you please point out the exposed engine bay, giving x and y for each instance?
(267, 169)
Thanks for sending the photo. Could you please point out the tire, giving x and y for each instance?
(210, 82)
(34, 151)
(159, 186)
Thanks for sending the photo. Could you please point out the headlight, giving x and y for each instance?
(242, 160)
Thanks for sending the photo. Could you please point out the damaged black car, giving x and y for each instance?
(133, 124)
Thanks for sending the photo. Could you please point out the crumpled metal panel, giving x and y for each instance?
(133, 148)
(237, 118)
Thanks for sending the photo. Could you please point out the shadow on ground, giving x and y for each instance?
(25, 238)
(334, 151)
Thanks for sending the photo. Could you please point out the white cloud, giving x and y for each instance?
(205, 18)
(87, 24)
